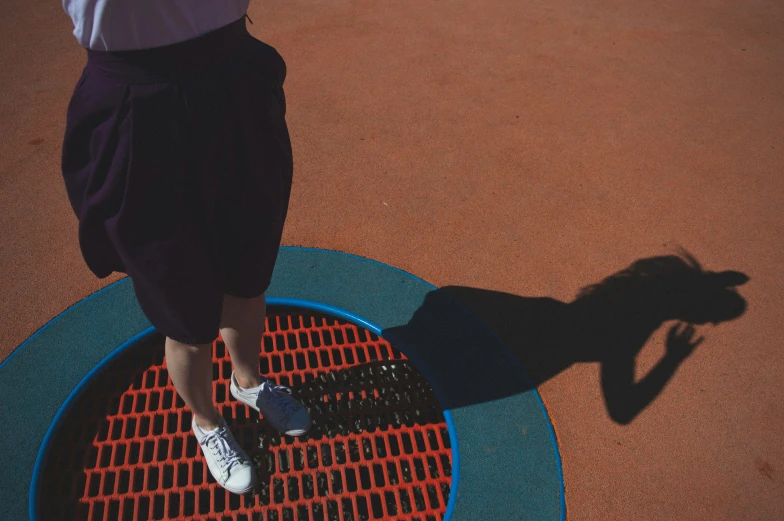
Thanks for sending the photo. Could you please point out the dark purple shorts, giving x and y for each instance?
(177, 163)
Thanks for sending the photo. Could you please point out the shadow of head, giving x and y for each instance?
(672, 287)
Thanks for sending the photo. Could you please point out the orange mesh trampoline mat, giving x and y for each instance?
(379, 447)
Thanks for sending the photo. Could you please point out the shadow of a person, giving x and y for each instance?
(610, 322)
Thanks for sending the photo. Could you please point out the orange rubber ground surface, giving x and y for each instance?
(531, 148)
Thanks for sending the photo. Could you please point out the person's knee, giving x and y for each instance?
(176, 345)
(243, 313)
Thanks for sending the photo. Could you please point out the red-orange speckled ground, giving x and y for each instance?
(528, 147)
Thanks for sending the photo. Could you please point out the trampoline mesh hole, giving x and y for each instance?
(144, 426)
(379, 447)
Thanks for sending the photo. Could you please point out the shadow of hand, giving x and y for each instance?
(681, 340)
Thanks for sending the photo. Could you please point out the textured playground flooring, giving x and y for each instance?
(510, 154)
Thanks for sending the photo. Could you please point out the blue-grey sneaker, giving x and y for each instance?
(276, 405)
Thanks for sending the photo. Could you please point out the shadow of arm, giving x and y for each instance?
(624, 398)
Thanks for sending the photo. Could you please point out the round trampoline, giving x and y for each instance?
(420, 412)
(379, 447)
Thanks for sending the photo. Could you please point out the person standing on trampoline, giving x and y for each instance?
(177, 162)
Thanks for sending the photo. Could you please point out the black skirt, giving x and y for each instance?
(177, 163)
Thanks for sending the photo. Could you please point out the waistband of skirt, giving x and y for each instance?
(174, 62)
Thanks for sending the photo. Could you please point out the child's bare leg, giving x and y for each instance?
(190, 368)
(242, 325)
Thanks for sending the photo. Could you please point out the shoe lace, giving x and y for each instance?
(281, 398)
(224, 449)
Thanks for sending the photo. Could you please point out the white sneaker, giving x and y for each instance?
(228, 463)
(276, 404)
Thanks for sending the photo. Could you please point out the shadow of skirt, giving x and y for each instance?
(177, 163)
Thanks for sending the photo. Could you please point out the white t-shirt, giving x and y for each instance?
(122, 25)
